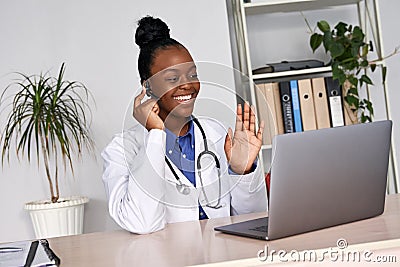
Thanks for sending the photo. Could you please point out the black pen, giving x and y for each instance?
(10, 249)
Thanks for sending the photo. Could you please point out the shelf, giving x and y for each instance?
(291, 73)
(239, 12)
(272, 6)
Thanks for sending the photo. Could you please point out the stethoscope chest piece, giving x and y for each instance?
(183, 189)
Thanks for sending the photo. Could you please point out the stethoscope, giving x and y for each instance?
(185, 189)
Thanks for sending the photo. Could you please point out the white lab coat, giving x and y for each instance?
(142, 189)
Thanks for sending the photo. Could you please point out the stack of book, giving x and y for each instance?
(300, 105)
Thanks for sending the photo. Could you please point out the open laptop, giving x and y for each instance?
(323, 178)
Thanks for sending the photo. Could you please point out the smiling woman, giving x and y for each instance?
(168, 70)
(175, 88)
(172, 166)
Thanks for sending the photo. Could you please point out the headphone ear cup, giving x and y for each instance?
(148, 89)
(148, 92)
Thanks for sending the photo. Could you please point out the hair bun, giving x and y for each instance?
(150, 29)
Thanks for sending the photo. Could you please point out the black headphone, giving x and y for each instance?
(147, 87)
(149, 92)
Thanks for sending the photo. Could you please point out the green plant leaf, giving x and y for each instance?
(341, 29)
(351, 100)
(349, 59)
(369, 106)
(324, 26)
(315, 41)
(327, 40)
(366, 79)
(336, 49)
(354, 50)
(365, 118)
(353, 80)
(47, 115)
(364, 63)
(353, 91)
(342, 78)
(350, 64)
(358, 34)
(336, 71)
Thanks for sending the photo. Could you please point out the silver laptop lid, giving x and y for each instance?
(328, 177)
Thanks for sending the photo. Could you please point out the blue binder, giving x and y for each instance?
(294, 90)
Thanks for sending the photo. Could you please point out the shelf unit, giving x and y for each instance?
(238, 12)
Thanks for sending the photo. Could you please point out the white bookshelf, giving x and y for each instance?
(290, 73)
(238, 14)
(273, 6)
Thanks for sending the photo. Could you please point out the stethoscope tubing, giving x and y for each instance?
(185, 189)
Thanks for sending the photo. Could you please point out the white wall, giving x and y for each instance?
(95, 39)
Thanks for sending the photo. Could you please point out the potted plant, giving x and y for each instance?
(48, 117)
(349, 60)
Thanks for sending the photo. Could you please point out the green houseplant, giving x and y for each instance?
(349, 60)
(46, 116)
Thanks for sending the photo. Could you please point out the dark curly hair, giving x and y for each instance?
(151, 35)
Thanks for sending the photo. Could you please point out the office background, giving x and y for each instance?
(96, 42)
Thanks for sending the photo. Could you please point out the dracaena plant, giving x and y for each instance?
(349, 60)
(47, 115)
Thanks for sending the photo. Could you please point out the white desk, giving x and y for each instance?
(192, 243)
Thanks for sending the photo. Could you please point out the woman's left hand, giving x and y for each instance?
(243, 146)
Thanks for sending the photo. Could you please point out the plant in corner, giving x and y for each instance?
(47, 116)
(349, 61)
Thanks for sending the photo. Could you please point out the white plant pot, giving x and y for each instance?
(57, 219)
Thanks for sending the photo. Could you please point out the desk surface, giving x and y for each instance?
(192, 243)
